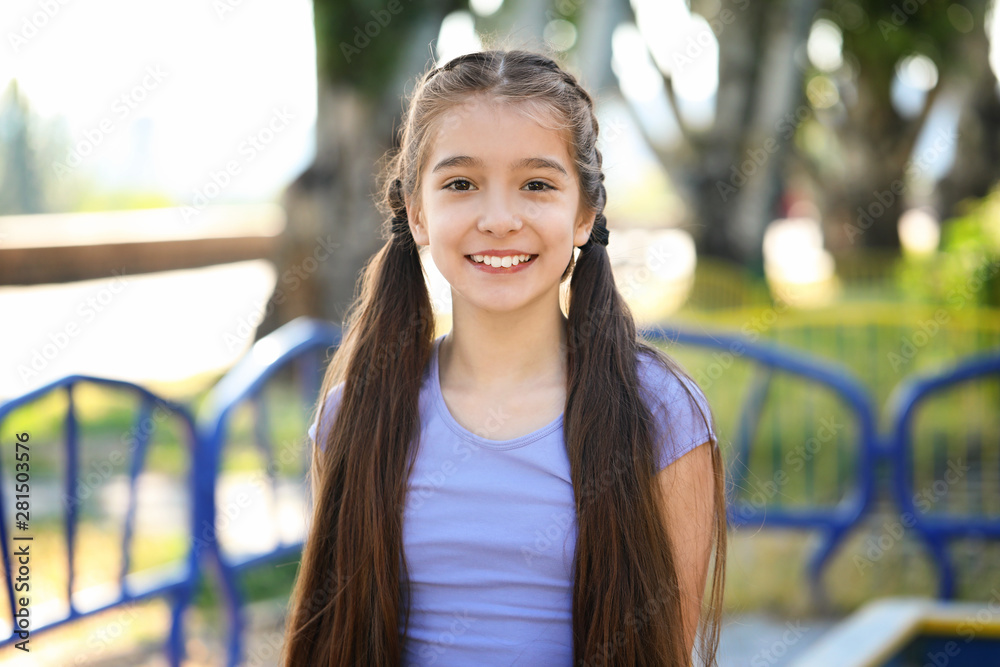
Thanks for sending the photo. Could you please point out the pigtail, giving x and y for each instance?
(627, 604)
(354, 553)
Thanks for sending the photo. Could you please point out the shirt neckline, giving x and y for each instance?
(475, 438)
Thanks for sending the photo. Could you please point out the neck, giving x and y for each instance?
(500, 353)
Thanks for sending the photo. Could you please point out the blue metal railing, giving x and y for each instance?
(300, 345)
(177, 582)
(299, 342)
(835, 521)
(936, 530)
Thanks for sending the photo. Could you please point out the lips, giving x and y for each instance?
(513, 254)
(500, 253)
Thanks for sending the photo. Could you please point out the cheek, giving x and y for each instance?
(448, 235)
(448, 219)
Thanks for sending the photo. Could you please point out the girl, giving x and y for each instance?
(530, 488)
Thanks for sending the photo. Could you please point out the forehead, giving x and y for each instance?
(508, 131)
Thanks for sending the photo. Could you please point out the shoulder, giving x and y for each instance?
(681, 413)
(665, 384)
(327, 411)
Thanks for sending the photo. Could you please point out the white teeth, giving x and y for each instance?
(507, 261)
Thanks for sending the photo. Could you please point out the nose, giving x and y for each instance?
(501, 215)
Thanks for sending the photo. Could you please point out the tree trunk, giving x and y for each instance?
(767, 141)
(976, 169)
(732, 174)
(333, 226)
(332, 200)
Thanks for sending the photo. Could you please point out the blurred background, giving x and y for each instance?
(181, 182)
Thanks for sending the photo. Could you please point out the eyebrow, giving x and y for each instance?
(469, 161)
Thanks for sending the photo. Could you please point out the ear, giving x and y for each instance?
(583, 227)
(417, 227)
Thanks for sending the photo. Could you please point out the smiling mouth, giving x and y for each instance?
(514, 261)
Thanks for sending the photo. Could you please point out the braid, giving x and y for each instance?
(396, 200)
(480, 56)
(573, 83)
(397, 203)
(599, 233)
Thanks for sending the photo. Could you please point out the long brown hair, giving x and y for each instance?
(345, 607)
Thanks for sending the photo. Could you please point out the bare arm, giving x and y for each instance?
(687, 488)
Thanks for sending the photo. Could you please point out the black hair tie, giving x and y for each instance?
(599, 232)
(400, 224)
(398, 203)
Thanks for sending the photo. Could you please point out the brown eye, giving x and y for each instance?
(543, 184)
(461, 180)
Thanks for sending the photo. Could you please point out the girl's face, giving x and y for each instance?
(497, 182)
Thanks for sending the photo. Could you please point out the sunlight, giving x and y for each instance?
(825, 45)
(993, 30)
(685, 47)
(798, 268)
(638, 77)
(214, 85)
(919, 232)
(457, 37)
(485, 7)
(153, 328)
